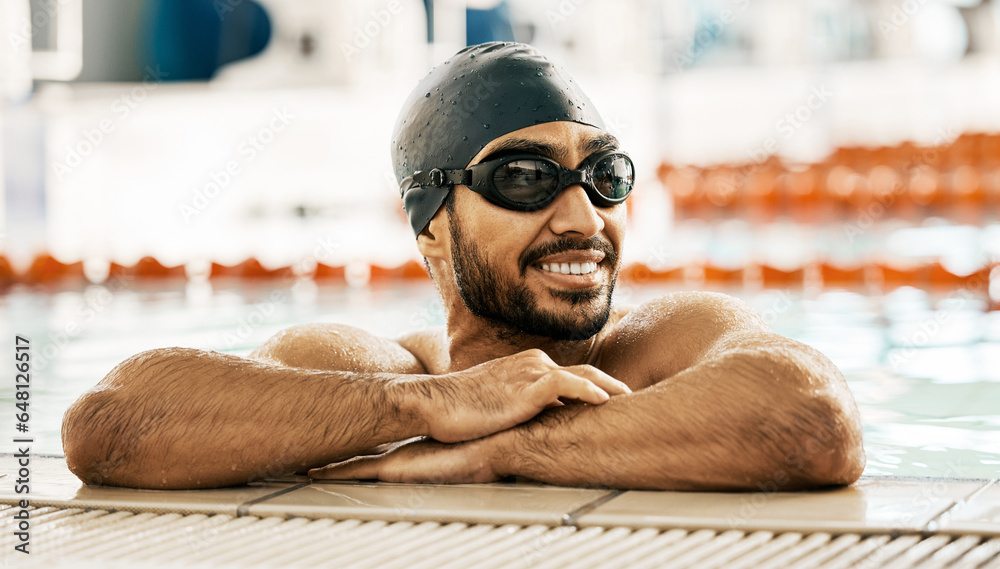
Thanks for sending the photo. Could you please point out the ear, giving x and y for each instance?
(434, 242)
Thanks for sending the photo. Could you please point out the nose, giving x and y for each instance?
(572, 212)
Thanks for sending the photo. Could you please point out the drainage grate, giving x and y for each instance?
(68, 537)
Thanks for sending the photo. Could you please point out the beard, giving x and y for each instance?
(510, 306)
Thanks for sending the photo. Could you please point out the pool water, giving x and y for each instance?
(924, 368)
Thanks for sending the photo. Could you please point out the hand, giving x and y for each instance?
(501, 393)
(424, 461)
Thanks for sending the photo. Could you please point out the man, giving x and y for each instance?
(516, 195)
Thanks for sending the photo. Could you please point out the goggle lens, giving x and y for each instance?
(613, 176)
(526, 181)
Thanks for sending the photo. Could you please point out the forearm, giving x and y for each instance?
(182, 418)
(731, 423)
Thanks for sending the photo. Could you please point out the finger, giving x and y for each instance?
(357, 469)
(601, 379)
(563, 383)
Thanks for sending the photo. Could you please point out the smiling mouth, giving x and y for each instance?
(569, 268)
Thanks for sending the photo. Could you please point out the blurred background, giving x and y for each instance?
(206, 172)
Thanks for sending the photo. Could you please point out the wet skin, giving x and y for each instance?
(687, 391)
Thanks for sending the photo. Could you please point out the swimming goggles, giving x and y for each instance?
(529, 182)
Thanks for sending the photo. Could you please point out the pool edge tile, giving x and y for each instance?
(867, 506)
(471, 503)
(978, 513)
(52, 484)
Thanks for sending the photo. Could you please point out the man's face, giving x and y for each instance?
(509, 264)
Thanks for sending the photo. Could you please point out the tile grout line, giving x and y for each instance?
(571, 518)
(932, 525)
(931, 479)
(244, 508)
(982, 489)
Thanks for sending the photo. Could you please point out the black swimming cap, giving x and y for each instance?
(483, 92)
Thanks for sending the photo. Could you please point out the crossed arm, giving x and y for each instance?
(182, 418)
(727, 405)
(724, 404)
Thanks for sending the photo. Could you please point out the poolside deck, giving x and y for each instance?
(290, 521)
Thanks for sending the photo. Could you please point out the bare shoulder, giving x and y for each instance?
(328, 346)
(670, 333)
(429, 346)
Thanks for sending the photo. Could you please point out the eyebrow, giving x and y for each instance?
(522, 145)
(602, 142)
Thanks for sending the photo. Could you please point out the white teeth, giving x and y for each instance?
(570, 268)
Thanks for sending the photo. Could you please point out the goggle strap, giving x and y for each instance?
(442, 178)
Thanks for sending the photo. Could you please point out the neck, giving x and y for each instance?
(470, 345)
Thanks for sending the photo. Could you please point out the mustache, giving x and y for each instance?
(563, 244)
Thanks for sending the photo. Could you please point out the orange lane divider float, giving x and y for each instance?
(962, 176)
(45, 270)
(880, 276)
(7, 275)
(249, 269)
(146, 268)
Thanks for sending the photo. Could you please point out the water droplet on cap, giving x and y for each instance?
(539, 74)
(428, 94)
(465, 138)
(487, 125)
(472, 56)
